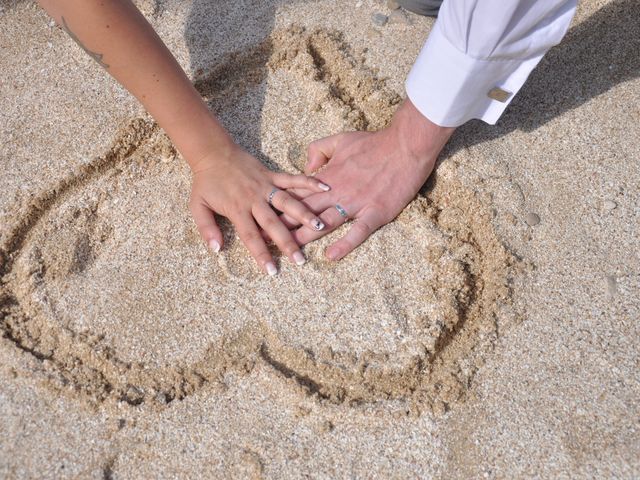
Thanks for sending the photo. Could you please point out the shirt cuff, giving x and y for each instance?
(450, 87)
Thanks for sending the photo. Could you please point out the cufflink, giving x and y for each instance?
(499, 94)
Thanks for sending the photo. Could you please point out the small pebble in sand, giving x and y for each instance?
(609, 205)
(133, 395)
(612, 285)
(532, 219)
(162, 398)
(379, 19)
(393, 5)
(358, 4)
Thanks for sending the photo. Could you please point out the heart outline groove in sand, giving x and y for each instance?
(432, 379)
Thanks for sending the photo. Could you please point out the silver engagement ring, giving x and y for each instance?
(272, 194)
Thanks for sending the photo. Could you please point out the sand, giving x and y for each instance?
(489, 331)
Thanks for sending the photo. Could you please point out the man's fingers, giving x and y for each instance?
(205, 220)
(360, 230)
(287, 181)
(331, 219)
(296, 210)
(320, 152)
(251, 237)
(278, 233)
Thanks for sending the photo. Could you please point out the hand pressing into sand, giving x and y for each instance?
(227, 180)
(239, 187)
(373, 176)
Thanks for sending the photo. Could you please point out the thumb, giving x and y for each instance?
(205, 220)
(320, 152)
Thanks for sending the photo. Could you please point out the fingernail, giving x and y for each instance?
(299, 258)
(214, 245)
(324, 186)
(317, 224)
(271, 269)
(331, 254)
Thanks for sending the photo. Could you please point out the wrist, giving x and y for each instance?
(202, 141)
(215, 157)
(418, 136)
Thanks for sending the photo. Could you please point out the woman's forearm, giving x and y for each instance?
(227, 180)
(119, 38)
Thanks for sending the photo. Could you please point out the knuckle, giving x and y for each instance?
(285, 201)
(290, 247)
(262, 257)
(278, 176)
(376, 208)
(362, 228)
(340, 249)
(270, 223)
(251, 236)
(206, 231)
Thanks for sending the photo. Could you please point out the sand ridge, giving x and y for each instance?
(71, 237)
(128, 350)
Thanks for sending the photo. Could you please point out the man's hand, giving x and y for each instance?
(373, 176)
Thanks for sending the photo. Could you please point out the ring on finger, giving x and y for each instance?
(343, 213)
(271, 195)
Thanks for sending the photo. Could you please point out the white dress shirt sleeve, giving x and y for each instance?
(479, 54)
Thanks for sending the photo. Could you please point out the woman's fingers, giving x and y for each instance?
(295, 209)
(331, 218)
(300, 193)
(251, 237)
(205, 221)
(301, 182)
(360, 230)
(320, 152)
(278, 233)
(289, 222)
(318, 202)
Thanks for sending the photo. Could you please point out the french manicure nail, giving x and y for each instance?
(271, 269)
(298, 257)
(214, 245)
(324, 186)
(317, 224)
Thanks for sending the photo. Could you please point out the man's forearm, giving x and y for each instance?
(119, 38)
(479, 54)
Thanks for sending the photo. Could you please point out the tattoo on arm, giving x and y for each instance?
(96, 56)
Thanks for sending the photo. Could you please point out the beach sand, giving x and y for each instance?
(490, 331)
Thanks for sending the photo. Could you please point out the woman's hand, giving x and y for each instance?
(230, 182)
(237, 186)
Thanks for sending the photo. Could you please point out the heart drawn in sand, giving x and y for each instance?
(106, 284)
